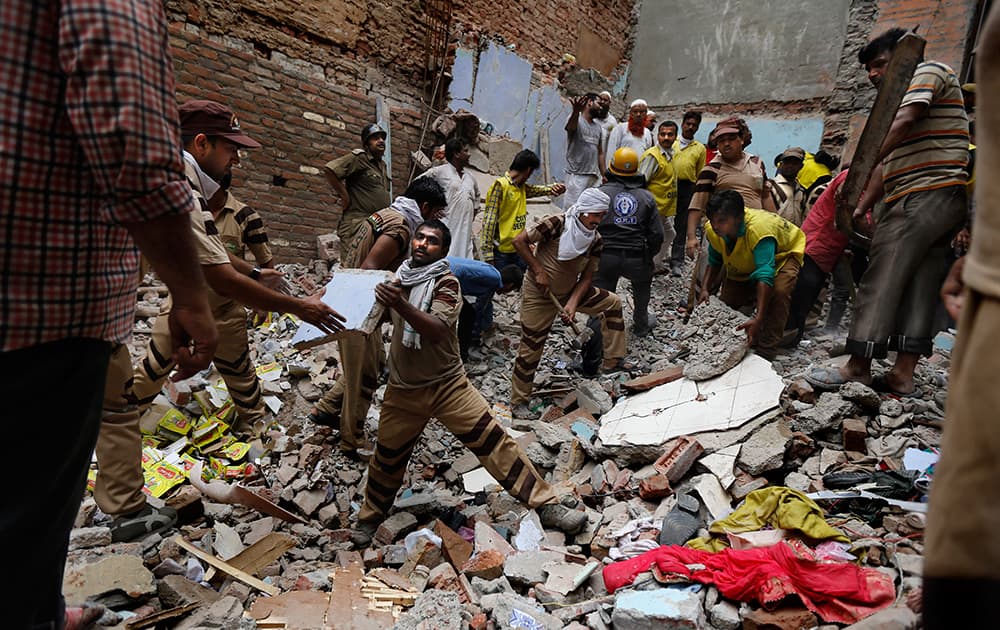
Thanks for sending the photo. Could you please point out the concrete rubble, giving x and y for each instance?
(458, 552)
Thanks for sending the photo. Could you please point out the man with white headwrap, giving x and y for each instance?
(563, 263)
(427, 379)
(632, 132)
(381, 241)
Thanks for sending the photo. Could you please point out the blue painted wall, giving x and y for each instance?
(771, 136)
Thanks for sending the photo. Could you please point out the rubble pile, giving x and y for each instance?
(837, 479)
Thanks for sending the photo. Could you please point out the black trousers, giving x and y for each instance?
(52, 396)
(810, 283)
(637, 267)
(685, 190)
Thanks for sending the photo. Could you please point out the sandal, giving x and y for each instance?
(147, 521)
(825, 378)
(881, 385)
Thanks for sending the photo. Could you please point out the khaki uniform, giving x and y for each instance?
(362, 358)
(367, 183)
(431, 382)
(119, 443)
(241, 228)
(538, 312)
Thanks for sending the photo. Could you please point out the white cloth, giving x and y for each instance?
(622, 137)
(207, 185)
(575, 185)
(421, 280)
(576, 239)
(462, 193)
(410, 211)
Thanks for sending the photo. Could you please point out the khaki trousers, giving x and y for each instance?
(738, 294)
(118, 489)
(964, 515)
(462, 409)
(232, 360)
(662, 259)
(348, 400)
(537, 315)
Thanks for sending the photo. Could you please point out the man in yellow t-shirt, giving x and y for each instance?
(506, 210)
(756, 255)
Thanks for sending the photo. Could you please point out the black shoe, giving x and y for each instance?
(136, 526)
(361, 536)
(317, 416)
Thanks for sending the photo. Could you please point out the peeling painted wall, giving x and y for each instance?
(691, 51)
(498, 89)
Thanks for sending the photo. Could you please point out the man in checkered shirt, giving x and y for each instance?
(90, 166)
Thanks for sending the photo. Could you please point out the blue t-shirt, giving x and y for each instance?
(476, 277)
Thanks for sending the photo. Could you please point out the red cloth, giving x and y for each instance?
(839, 592)
(824, 243)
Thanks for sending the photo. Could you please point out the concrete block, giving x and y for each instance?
(526, 568)
(395, 527)
(660, 609)
(797, 618)
(765, 449)
(894, 618)
(177, 590)
(120, 572)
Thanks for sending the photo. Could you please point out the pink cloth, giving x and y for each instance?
(824, 243)
(839, 592)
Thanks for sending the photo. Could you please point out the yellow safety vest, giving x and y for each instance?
(513, 213)
(739, 263)
(811, 171)
(663, 185)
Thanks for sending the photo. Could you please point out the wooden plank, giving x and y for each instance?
(654, 379)
(260, 554)
(225, 567)
(295, 610)
(906, 56)
(148, 621)
(349, 608)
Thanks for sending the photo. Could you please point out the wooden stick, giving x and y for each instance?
(146, 621)
(224, 566)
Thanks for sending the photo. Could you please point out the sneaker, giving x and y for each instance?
(147, 521)
(563, 516)
(361, 536)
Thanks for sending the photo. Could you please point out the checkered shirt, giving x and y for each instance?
(89, 143)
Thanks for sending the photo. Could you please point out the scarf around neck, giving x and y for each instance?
(576, 239)
(421, 280)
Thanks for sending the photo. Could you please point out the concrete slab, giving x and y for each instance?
(350, 292)
(684, 407)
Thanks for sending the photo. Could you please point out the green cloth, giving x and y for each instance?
(778, 507)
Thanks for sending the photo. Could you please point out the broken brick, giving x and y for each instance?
(654, 379)
(655, 487)
(855, 435)
(486, 564)
(745, 484)
(678, 457)
(395, 527)
(455, 549)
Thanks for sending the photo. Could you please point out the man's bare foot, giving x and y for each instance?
(900, 384)
(915, 600)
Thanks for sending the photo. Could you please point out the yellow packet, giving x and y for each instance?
(150, 441)
(236, 451)
(91, 480)
(226, 412)
(269, 372)
(150, 456)
(176, 422)
(161, 478)
(204, 400)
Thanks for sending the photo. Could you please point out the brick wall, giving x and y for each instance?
(944, 24)
(303, 77)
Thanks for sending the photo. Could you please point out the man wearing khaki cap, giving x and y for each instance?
(789, 196)
(212, 137)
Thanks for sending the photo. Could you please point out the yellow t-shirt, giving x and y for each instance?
(760, 224)
(689, 161)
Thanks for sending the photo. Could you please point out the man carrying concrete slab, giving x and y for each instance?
(379, 242)
(756, 255)
(427, 379)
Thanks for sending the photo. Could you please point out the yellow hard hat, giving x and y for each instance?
(624, 162)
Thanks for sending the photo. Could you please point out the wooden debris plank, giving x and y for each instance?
(257, 556)
(225, 567)
(148, 621)
(906, 56)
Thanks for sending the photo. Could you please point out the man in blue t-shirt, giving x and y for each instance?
(479, 281)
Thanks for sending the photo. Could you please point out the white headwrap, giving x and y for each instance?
(576, 239)
(638, 101)
(410, 211)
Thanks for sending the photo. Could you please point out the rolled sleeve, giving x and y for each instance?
(763, 260)
(344, 166)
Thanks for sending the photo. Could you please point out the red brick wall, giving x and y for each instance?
(944, 24)
(303, 77)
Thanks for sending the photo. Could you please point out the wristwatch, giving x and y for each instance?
(255, 273)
